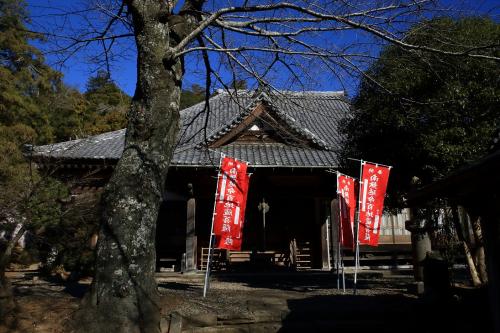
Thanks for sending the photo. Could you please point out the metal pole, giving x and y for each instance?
(207, 272)
(328, 244)
(338, 252)
(338, 265)
(356, 260)
(337, 262)
(363, 161)
(210, 245)
(263, 226)
(343, 275)
(356, 257)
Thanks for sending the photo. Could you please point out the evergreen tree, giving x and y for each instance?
(192, 96)
(428, 114)
(24, 77)
(239, 84)
(29, 88)
(66, 110)
(36, 107)
(107, 105)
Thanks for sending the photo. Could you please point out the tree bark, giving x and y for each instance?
(476, 281)
(7, 303)
(5, 258)
(123, 295)
(479, 255)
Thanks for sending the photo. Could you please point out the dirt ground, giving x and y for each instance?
(268, 302)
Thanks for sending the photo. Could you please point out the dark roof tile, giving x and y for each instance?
(314, 115)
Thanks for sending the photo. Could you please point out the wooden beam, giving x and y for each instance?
(321, 219)
(335, 221)
(259, 109)
(191, 239)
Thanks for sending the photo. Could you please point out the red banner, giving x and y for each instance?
(371, 195)
(347, 206)
(230, 204)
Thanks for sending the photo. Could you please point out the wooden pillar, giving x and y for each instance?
(334, 223)
(191, 239)
(321, 219)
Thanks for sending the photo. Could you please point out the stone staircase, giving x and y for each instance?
(303, 255)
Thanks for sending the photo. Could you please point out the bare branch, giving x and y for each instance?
(324, 16)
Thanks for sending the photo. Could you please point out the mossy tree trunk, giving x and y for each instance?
(123, 295)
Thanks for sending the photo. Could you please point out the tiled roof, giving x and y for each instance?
(312, 115)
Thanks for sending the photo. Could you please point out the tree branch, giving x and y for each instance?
(325, 17)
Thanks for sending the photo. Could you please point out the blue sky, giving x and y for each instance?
(47, 14)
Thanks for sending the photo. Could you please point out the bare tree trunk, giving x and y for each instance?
(5, 258)
(476, 281)
(479, 255)
(6, 298)
(123, 296)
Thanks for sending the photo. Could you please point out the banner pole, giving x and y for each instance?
(210, 244)
(328, 244)
(343, 274)
(339, 232)
(356, 256)
(364, 161)
(338, 249)
(338, 264)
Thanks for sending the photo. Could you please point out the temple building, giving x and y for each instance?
(291, 142)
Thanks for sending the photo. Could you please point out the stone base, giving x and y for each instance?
(416, 288)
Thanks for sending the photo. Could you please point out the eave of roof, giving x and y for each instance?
(317, 110)
(477, 177)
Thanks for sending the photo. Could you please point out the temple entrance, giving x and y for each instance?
(283, 223)
(171, 235)
(271, 238)
(290, 237)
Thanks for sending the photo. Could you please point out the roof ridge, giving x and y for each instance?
(193, 107)
(65, 145)
(288, 92)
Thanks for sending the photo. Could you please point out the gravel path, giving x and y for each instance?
(267, 302)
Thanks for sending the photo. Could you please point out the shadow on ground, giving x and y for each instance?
(176, 286)
(309, 281)
(388, 313)
(33, 284)
(286, 301)
(383, 303)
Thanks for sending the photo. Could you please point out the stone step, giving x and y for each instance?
(243, 328)
(312, 325)
(298, 320)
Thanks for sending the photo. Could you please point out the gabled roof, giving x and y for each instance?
(312, 117)
(271, 107)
